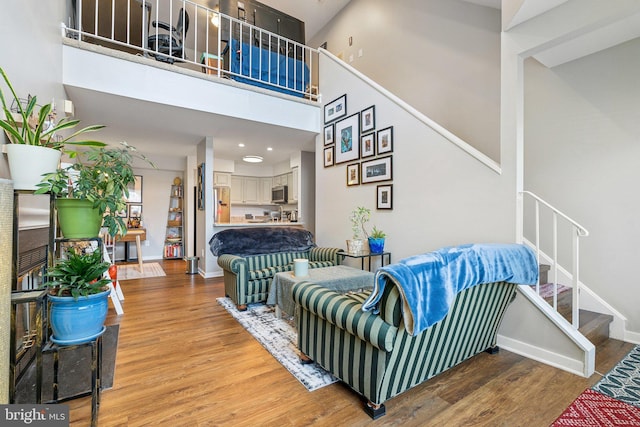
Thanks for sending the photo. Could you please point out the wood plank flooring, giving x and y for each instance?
(184, 361)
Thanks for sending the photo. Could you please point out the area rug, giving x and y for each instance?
(131, 271)
(280, 339)
(623, 381)
(613, 401)
(595, 409)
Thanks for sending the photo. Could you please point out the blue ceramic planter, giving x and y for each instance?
(376, 246)
(78, 321)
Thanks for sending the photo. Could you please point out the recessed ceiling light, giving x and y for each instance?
(241, 145)
(252, 159)
(269, 149)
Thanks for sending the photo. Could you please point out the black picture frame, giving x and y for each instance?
(200, 186)
(328, 135)
(368, 145)
(384, 196)
(353, 174)
(135, 190)
(336, 109)
(135, 211)
(385, 140)
(329, 156)
(368, 119)
(347, 136)
(378, 169)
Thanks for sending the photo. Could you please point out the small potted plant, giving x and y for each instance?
(34, 139)
(78, 293)
(376, 241)
(90, 192)
(359, 217)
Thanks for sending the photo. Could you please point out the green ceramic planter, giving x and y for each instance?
(78, 219)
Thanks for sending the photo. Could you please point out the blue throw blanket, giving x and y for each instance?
(428, 283)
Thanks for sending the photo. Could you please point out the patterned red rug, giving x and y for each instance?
(594, 409)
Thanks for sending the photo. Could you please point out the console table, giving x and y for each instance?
(339, 278)
(367, 255)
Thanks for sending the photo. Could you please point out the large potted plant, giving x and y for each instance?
(92, 191)
(78, 293)
(34, 138)
(359, 217)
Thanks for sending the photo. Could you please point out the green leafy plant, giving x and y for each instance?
(377, 234)
(78, 275)
(359, 217)
(101, 175)
(39, 129)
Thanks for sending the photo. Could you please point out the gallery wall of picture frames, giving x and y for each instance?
(355, 140)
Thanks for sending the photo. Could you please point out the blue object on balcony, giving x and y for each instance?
(268, 69)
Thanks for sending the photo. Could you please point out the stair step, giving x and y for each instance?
(594, 326)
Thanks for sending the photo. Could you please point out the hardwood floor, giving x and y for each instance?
(184, 361)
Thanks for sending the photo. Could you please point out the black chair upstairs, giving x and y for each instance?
(169, 48)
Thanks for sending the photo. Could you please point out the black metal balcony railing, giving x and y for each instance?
(189, 35)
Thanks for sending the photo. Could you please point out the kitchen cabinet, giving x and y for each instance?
(244, 190)
(265, 190)
(221, 178)
(237, 189)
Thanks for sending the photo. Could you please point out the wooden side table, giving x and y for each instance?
(365, 255)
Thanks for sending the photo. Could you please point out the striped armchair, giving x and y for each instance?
(373, 353)
(247, 278)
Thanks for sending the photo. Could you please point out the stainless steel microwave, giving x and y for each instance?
(279, 194)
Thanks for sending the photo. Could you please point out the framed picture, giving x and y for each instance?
(368, 119)
(367, 145)
(135, 190)
(335, 109)
(353, 174)
(348, 139)
(385, 140)
(376, 170)
(328, 135)
(328, 156)
(384, 196)
(200, 190)
(135, 211)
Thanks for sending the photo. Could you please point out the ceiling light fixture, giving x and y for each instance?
(252, 159)
(241, 145)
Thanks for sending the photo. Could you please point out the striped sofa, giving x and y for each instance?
(374, 354)
(247, 278)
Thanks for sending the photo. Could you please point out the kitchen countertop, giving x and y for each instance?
(259, 224)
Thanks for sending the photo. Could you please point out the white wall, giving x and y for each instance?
(440, 56)
(582, 122)
(33, 63)
(441, 195)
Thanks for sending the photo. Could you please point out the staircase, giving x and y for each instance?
(594, 326)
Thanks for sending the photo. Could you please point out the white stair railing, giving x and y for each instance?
(577, 231)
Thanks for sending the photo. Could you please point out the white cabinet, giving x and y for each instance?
(265, 190)
(244, 190)
(237, 189)
(221, 178)
(251, 190)
(293, 188)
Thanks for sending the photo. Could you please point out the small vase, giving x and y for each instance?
(354, 246)
(376, 245)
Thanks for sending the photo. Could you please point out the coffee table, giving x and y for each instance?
(339, 278)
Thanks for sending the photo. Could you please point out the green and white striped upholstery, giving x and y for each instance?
(247, 279)
(375, 355)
